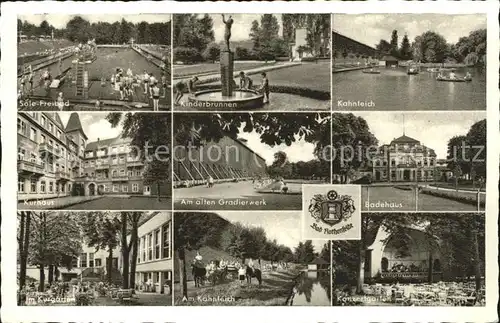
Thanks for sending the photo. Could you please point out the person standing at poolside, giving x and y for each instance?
(155, 94)
(246, 82)
(264, 87)
(145, 79)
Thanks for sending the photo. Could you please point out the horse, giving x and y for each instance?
(253, 272)
(199, 275)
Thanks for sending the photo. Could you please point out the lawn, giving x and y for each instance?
(205, 68)
(131, 203)
(274, 291)
(315, 76)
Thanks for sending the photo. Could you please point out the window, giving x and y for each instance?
(33, 158)
(124, 188)
(157, 244)
(114, 150)
(135, 188)
(106, 188)
(74, 260)
(51, 143)
(92, 163)
(83, 260)
(143, 251)
(98, 262)
(44, 123)
(129, 173)
(114, 173)
(115, 188)
(20, 185)
(33, 134)
(33, 186)
(62, 188)
(115, 160)
(43, 139)
(150, 246)
(393, 162)
(432, 162)
(51, 187)
(51, 128)
(122, 172)
(91, 260)
(42, 187)
(122, 160)
(20, 153)
(58, 134)
(166, 252)
(377, 163)
(21, 127)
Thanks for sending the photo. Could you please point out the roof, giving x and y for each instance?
(319, 261)
(91, 146)
(405, 139)
(389, 58)
(74, 124)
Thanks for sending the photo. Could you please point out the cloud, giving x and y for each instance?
(60, 21)
(432, 129)
(371, 28)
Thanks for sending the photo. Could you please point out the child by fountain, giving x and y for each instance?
(245, 81)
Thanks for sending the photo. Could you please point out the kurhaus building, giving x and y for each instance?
(226, 160)
(404, 160)
(56, 160)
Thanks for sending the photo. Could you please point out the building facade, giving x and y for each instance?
(56, 161)
(404, 160)
(226, 160)
(386, 260)
(154, 261)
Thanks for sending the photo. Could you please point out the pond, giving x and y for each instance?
(393, 89)
(312, 288)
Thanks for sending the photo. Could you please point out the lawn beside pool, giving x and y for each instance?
(188, 70)
(314, 76)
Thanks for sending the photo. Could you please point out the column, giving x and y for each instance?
(161, 290)
(226, 72)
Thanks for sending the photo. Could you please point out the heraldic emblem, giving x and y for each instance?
(331, 208)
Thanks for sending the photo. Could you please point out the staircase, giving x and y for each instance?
(81, 76)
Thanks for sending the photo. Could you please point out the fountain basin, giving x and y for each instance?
(213, 99)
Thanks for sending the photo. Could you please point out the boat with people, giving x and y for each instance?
(453, 78)
(371, 71)
(412, 71)
(448, 79)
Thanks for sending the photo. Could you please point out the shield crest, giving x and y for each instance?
(331, 212)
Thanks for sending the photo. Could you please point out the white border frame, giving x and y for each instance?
(10, 311)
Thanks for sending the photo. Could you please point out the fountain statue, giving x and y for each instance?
(228, 96)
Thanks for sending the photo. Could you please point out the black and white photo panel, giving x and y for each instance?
(94, 62)
(94, 161)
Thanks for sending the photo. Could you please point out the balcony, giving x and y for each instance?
(62, 176)
(29, 167)
(46, 149)
(119, 178)
(102, 166)
(134, 162)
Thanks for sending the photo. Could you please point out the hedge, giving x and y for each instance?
(471, 200)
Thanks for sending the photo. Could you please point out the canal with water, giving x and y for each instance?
(312, 289)
(393, 89)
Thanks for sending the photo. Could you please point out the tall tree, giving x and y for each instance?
(430, 47)
(394, 43)
(405, 51)
(23, 245)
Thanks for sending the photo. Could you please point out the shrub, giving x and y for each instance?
(83, 299)
(212, 52)
(187, 55)
(309, 59)
(242, 53)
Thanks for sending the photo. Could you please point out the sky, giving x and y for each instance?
(285, 227)
(94, 125)
(297, 151)
(60, 20)
(432, 129)
(370, 28)
(241, 26)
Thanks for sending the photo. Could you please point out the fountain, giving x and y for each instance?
(227, 97)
